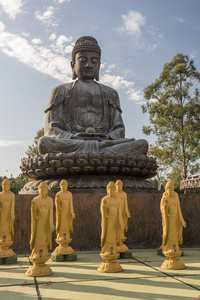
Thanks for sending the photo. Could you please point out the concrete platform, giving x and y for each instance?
(142, 278)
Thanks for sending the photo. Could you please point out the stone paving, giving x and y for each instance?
(142, 278)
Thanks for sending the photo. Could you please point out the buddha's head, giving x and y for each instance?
(6, 185)
(119, 185)
(64, 185)
(111, 189)
(169, 188)
(43, 189)
(86, 59)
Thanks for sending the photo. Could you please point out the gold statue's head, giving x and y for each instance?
(86, 59)
(43, 189)
(119, 185)
(64, 185)
(111, 189)
(169, 188)
(6, 185)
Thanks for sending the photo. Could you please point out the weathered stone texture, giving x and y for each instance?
(144, 226)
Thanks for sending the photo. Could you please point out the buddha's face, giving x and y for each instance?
(86, 65)
(43, 191)
(170, 190)
(6, 187)
(64, 187)
(119, 187)
(111, 191)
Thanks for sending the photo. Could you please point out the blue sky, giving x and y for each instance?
(36, 38)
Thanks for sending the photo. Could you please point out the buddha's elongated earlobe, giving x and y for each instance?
(74, 76)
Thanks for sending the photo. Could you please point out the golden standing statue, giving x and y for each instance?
(64, 220)
(173, 223)
(7, 217)
(125, 215)
(112, 224)
(41, 232)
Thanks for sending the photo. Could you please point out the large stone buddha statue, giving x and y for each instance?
(83, 115)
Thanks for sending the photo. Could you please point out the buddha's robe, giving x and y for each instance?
(111, 224)
(64, 214)
(7, 215)
(172, 222)
(41, 226)
(74, 107)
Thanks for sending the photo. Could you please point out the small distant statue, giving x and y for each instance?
(41, 232)
(173, 223)
(64, 220)
(7, 217)
(112, 224)
(125, 215)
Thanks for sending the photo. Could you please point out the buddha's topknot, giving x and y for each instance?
(86, 43)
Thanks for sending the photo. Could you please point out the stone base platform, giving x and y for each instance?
(8, 260)
(91, 184)
(144, 226)
(126, 255)
(68, 257)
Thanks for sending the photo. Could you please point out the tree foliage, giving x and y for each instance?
(173, 105)
(32, 150)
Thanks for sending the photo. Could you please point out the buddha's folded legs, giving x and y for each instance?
(123, 146)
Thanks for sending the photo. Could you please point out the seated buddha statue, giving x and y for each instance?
(83, 115)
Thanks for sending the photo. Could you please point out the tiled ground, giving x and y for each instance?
(142, 278)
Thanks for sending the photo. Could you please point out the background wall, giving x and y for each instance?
(145, 224)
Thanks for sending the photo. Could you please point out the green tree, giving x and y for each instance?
(173, 105)
(32, 150)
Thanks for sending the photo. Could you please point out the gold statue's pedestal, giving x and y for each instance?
(63, 252)
(5, 251)
(173, 262)
(122, 248)
(63, 248)
(110, 265)
(39, 268)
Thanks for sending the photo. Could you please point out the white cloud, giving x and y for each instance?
(12, 7)
(54, 61)
(47, 17)
(40, 58)
(193, 54)
(25, 34)
(180, 19)
(4, 143)
(61, 1)
(61, 44)
(132, 23)
(52, 37)
(135, 95)
(110, 68)
(2, 27)
(118, 82)
(150, 48)
(36, 41)
(62, 40)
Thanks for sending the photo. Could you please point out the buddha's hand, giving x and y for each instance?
(122, 225)
(89, 135)
(52, 227)
(73, 216)
(128, 215)
(184, 224)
